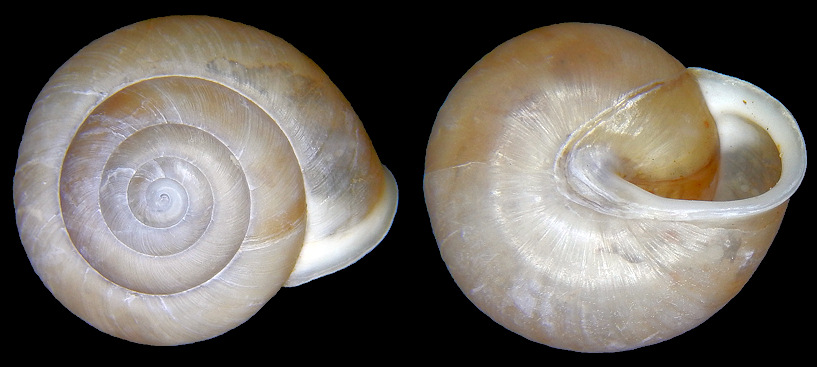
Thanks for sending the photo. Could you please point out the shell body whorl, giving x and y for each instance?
(174, 174)
(590, 193)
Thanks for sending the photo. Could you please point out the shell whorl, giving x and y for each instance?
(174, 174)
(590, 193)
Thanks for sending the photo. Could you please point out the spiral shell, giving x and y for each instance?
(174, 174)
(590, 193)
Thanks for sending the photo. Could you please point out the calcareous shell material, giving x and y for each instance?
(589, 192)
(174, 174)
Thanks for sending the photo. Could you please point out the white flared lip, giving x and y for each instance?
(325, 256)
(729, 96)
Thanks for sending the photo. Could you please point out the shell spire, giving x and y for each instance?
(176, 173)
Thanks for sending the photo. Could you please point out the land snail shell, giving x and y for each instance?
(176, 173)
(590, 193)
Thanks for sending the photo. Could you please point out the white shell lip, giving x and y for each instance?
(726, 97)
(329, 254)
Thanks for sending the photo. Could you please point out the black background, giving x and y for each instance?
(396, 63)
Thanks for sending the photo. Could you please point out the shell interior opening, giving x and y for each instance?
(760, 155)
(746, 161)
(750, 159)
(747, 165)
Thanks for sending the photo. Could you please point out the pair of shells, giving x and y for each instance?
(214, 170)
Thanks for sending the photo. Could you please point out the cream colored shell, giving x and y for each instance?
(174, 174)
(590, 193)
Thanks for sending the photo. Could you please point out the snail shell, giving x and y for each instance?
(174, 174)
(590, 193)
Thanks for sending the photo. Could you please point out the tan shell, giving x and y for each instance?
(174, 174)
(590, 193)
